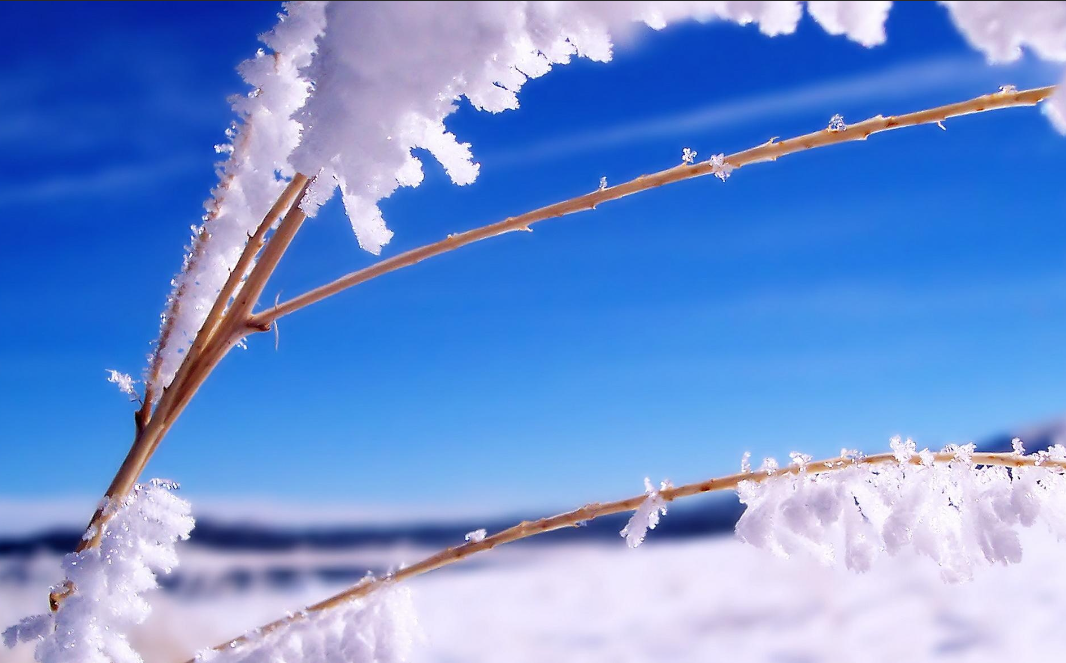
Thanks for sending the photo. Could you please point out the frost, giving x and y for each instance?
(1007, 89)
(903, 451)
(379, 628)
(477, 536)
(646, 516)
(124, 382)
(836, 124)
(31, 628)
(959, 514)
(745, 462)
(1017, 447)
(92, 623)
(1002, 29)
(720, 167)
(769, 465)
(416, 63)
(688, 156)
(250, 180)
(483, 52)
(800, 460)
(863, 22)
(603, 183)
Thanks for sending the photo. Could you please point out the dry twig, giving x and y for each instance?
(575, 518)
(226, 327)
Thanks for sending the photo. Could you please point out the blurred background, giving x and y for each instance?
(913, 284)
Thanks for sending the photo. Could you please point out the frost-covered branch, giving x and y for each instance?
(136, 541)
(769, 151)
(988, 500)
(223, 329)
(218, 335)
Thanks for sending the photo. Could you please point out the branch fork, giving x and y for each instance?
(231, 317)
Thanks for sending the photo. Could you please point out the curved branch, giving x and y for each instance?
(220, 332)
(768, 151)
(592, 511)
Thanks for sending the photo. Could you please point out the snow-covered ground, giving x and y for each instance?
(699, 600)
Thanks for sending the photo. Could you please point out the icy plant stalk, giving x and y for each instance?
(91, 626)
(250, 180)
(307, 111)
(960, 514)
(380, 628)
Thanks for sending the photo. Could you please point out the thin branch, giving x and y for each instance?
(255, 243)
(213, 344)
(214, 316)
(171, 314)
(769, 151)
(577, 517)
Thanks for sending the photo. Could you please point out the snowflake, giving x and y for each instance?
(721, 169)
(688, 156)
(123, 381)
(646, 516)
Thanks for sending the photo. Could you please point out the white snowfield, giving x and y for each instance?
(703, 600)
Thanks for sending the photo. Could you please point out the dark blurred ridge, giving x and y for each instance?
(712, 514)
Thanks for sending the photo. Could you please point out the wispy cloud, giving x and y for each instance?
(897, 82)
(101, 182)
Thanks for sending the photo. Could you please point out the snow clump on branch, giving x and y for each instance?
(344, 91)
(379, 628)
(959, 514)
(91, 624)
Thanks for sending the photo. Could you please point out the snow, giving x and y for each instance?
(477, 536)
(91, 625)
(123, 381)
(961, 515)
(386, 76)
(250, 180)
(646, 516)
(1001, 30)
(862, 21)
(702, 600)
(381, 628)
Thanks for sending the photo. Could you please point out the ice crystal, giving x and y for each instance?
(862, 21)
(379, 628)
(836, 124)
(603, 183)
(800, 460)
(769, 465)
(646, 516)
(123, 381)
(477, 536)
(720, 167)
(688, 156)
(92, 623)
(960, 514)
(1001, 30)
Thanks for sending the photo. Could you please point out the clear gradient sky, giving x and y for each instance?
(913, 284)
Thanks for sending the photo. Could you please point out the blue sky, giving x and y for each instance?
(913, 284)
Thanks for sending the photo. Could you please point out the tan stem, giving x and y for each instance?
(210, 346)
(769, 151)
(575, 518)
(251, 250)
